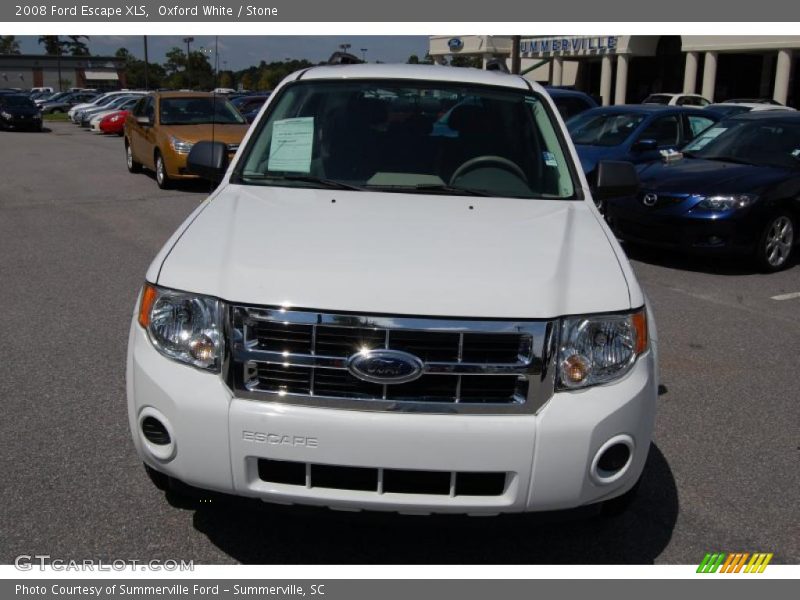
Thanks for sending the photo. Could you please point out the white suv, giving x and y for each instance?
(399, 297)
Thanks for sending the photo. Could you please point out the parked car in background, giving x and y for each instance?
(162, 128)
(736, 191)
(112, 123)
(99, 101)
(636, 133)
(570, 102)
(51, 97)
(676, 100)
(17, 111)
(250, 105)
(118, 103)
(125, 107)
(63, 103)
(730, 108)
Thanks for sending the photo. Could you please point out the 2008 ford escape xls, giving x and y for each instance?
(399, 297)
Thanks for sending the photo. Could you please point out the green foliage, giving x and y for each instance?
(9, 45)
(135, 68)
(466, 61)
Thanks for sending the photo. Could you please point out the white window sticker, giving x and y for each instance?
(550, 159)
(706, 137)
(292, 143)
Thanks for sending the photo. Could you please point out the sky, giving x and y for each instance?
(239, 52)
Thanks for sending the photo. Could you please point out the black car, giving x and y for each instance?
(735, 191)
(17, 111)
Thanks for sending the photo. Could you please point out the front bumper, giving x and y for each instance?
(21, 123)
(548, 457)
(734, 234)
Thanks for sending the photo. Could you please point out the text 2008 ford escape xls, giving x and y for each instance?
(400, 297)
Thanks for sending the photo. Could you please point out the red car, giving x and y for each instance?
(114, 122)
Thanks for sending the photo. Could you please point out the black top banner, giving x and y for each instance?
(452, 11)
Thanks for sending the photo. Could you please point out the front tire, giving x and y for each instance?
(776, 243)
(162, 179)
(133, 166)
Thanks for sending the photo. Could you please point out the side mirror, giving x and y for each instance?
(645, 145)
(615, 179)
(144, 121)
(208, 160)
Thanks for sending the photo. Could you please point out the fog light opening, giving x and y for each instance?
(155, 432)
(156, 435)
(612, 460)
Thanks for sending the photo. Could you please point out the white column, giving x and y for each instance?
(605, 80)
(709, 75)
(690, 73)
(557, 70)
(622, 79)
(783, 71)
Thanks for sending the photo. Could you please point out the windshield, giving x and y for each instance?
(729, 110)
(758, 142)
(193, 110)
(604, 129)
(17, 101)
(409, 136)
(657, 99)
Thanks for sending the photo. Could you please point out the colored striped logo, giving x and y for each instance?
(734, 562)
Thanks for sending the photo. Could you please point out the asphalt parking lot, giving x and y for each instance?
(77, 232)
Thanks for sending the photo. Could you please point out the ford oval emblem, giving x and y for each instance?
(385, 366)
(455, 44)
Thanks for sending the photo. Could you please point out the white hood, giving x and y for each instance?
(398, 253)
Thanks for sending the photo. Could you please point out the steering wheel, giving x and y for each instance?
(499, 161)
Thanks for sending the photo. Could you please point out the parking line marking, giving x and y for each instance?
(790, 296)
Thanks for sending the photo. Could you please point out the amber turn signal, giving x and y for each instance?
(149, 295)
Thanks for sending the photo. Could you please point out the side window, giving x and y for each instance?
(698, 124)
(138, 109)
(150, 109)
(665, 131)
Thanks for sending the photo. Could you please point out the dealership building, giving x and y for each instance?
(625, 68)
(26, 71)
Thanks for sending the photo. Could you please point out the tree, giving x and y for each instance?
(466, 61)
(176, 60)
(265, 81)
(51, 43)
(75, 46)
(246, 81)
(225, 80)
(9, 45)
(134, 69)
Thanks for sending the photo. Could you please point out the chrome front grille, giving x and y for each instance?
(301, 357)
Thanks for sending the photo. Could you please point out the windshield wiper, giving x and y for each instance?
(328, 183)
(430, 187)
(730, 159)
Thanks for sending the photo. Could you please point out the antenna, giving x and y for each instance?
(214, 91)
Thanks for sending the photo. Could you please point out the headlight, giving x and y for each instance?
(723, 203)
(182, 326)
(6, 115)
(115, 119)
(180, 146)
(597, 349)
